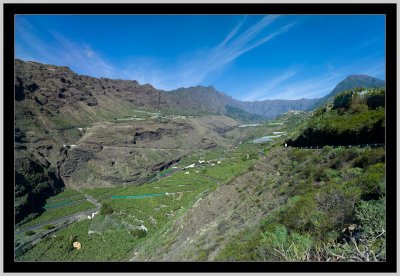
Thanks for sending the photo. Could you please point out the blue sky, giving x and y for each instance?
(253, 57)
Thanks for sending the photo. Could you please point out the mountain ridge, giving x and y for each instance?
(190, 100)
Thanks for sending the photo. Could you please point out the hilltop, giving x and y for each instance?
(352, 81)
(354, 117)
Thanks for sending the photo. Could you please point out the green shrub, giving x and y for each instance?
(106, 209)
(286, 246)
(299, 155)
(351, 173)
(323, 210)
(370, 157)
(371, 215)
(373, 181)
(376, 98)
(328, 174)
(358, 108)
(326, 151)
(48, 227)
(343, 100)
(298, 214)
(138, 233)
(30, 233)
(337, 202)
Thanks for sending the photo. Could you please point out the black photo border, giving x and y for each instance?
(387, 9)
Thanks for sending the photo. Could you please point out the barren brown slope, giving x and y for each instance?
(124, 153)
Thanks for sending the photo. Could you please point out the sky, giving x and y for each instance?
(249, 57)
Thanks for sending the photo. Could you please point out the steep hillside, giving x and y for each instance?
(352, 81)
(78, 131)
(355, 117)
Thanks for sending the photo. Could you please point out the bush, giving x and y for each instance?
(30, 233)
(285, 246)
(351, 173)
(328, 174)
(372, 182)
(337, 202)
(371, 215)
(48, 227)
(376, 98)
(298, 214)
(370, 157)
(343, 100)
(327, 209)
(106, 209)
(358, 108)
(138, 233)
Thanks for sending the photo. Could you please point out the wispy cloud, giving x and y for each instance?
(371, 41)
(234, 45)
(284, 87)
(309, 88)
(62, 51)
(201, 65)
(271, 85)
(82, 58)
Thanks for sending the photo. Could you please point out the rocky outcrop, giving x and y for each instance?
(35, 181)
(146, 136)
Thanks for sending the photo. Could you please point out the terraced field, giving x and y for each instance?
(140, 214)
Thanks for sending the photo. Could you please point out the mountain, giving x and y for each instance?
(352, 81)
(78, 131)
(64, 86)
(272, 108)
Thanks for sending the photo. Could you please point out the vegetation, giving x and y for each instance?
(355, 117)
(48, 227)
(106, 209)
(30, 233)
(59, 212)
(125, 224)
(329, 193)
(324, 205)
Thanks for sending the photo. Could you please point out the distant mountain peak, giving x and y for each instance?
(354, 76)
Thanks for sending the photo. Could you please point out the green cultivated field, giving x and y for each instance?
(63, 211)
(114, 237)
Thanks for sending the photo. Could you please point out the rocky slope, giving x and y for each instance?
(110, 154)
(202, 232)
(82, 132)
(55, 87)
